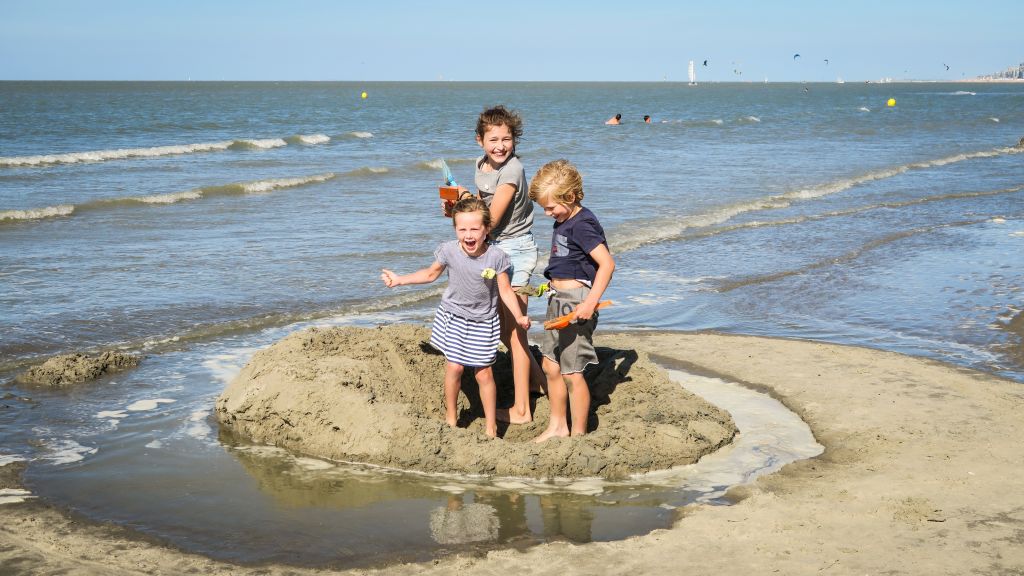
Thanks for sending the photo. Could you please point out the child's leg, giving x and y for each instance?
(525, 370)
(489, 398)
(580, 394)
(558, 397)
(452, 385)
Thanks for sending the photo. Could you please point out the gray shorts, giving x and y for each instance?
(573, 346)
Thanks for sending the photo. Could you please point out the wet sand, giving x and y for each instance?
(375, 396)
(920, 475)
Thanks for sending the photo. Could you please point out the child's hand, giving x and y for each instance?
(524, 321)
(390, 278)
(446, 207)
(584, 310)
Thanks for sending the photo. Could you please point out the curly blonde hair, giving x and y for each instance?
(472, 204)
(558, 180)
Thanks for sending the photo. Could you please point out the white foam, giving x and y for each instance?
(170, 197)
(1018, 233)
(118, 154)
(111, 414)
(361, 134)
(313, 464)
(277, 183)
(998, 220)
(752, 118)
(66, 451)
(155, 444)
(14, 495)
(37, 213)
(262, 143)
(864, 109)
(718, 121)
(6, 459)
(994, 119)
(226, 366)
(197, 427)
(144, 405)
(314, 139)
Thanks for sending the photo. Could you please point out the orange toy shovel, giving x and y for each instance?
(563, 321)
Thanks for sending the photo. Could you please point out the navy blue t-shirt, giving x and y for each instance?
(571, 244)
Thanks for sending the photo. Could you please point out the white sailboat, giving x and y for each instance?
(693, 75)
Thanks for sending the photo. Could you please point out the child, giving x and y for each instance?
(466, 325)
(579, 270)
(501, 181)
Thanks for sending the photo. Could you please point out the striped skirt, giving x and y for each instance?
(463, 341)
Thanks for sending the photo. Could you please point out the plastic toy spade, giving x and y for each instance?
(449, 179)
(450, 190)
(563, 321)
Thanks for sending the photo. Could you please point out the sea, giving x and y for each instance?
(194, 223)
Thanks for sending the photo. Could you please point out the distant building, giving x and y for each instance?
(1013, 72)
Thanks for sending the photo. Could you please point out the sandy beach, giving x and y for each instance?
(920, 475)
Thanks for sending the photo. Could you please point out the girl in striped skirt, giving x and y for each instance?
(466, 326)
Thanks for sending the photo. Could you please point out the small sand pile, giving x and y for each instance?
(63, 371)
(375, 395)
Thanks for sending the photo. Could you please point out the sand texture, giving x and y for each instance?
(69, 369)
(921, 474)
(375, 395)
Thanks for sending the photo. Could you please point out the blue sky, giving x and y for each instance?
(640, 40)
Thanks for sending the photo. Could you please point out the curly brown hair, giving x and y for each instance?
(500, 116)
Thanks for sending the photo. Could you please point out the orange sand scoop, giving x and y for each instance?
(563, 321)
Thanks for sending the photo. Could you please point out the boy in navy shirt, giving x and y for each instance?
(578, 271)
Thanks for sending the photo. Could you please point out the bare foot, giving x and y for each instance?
(513, 417)
(548, 434)
(452, 422)
(491, 432)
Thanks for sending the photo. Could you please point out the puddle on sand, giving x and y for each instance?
(256, 504)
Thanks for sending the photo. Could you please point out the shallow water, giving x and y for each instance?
(157, 465)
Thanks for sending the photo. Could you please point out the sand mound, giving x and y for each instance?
(68, 369)
(376, 396)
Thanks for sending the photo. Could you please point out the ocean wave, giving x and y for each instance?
(864, 109)
(156, 151)
(36, 213)
(963, 93)
(358, 134)
(238, 188)
(308, 139)
(262, 144)
(850, 256)
(117, 154)
(368, 171)
(674, 228)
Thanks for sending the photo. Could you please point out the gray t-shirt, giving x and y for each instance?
(469, 294)
(518, 217)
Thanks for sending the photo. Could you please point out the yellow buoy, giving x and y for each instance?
(891, 102)
(363, 96)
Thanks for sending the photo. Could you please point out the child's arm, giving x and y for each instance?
(508, 296)
(423, 276)
(605, 268)
(502, 200)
